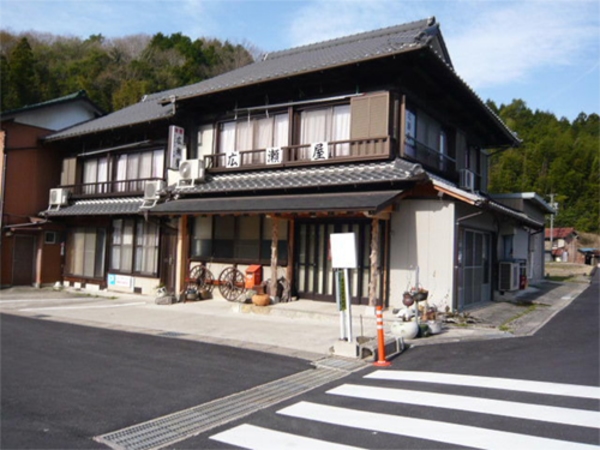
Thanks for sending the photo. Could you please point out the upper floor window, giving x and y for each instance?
(254, 133)
(426, 140)
(138, 166)
(95, 175)
(324, 125)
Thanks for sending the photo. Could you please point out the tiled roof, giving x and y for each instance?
(356, 201)
(345, 51)
(561, 233)
(314, 57)
(306, 177)
(67, 98)
(480, 201)
(98, 207)
(306, 59)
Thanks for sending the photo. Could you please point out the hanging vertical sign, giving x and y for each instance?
(176, 146)
(343, 257)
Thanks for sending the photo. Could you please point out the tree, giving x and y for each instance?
(23, 83)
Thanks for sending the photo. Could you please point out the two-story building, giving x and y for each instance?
(373, 134)
(30, 247)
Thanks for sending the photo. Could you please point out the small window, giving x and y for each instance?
(50, 237)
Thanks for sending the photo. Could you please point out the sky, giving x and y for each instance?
(545, 52)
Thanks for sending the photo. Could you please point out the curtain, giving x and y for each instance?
(102, 175)
(133, 163)
(340, 129)
(281, 131)
(226, 141)
(158, 167)
(90, 174)
(121, 173)
(313, 126)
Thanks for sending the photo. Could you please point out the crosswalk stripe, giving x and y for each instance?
(567, 416)
(464, 435)
(537, 387)
(258, 438)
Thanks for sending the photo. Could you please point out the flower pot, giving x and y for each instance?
(435, 327)
(406, 330)
(261, 299)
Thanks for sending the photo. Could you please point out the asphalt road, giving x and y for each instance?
(63, 384)
(565, 352)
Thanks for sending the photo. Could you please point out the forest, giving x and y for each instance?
(557, 156)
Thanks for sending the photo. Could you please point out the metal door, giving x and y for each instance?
(475, 286)
(23, 261)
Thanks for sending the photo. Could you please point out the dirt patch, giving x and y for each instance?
(567, 270)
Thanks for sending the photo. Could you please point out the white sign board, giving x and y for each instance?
(343, 251)
(176, 146)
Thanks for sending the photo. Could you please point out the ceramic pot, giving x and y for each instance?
(406, 330)
(261, 299)
(435, 327)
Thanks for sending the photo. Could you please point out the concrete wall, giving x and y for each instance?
(422, 244)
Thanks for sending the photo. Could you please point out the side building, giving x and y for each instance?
(31, 246)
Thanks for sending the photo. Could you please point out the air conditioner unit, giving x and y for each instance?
(152, 189)
(59, 197)
(192, 170)
(508, 276)
(467, 179)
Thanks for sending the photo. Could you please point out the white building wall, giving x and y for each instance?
(57, 117)
(422, 244)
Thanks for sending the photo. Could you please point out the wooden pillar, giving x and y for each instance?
(291, 246)
(274, 242)
(183, 252)
(373, 284)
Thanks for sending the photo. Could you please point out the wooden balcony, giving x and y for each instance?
(300, 155)
(109, 188)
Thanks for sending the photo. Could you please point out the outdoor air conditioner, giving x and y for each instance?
(152, 189)
(192, 170)
(508, 276)
(59, 197)
(467, 180)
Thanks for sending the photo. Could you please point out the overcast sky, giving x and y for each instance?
(545, 52)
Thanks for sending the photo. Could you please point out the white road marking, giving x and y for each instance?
(112, 305)
(258, 438)
(464, 435)
(567, 416)
(537, 387)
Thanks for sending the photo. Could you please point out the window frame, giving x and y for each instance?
(263, 243)
(138, 245)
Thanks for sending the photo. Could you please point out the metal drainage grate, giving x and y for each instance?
(171, 334)
(181, 425)
(346, 365)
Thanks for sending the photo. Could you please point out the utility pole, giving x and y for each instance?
(554, 206)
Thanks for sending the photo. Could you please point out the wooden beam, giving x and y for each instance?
(373, 284)
(274, 241)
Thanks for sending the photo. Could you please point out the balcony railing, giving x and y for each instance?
(430, 158)
(296, 155)
(113, 188)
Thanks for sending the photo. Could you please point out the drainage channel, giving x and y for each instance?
(182, 425)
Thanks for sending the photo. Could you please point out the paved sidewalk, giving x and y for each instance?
(302, 329)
